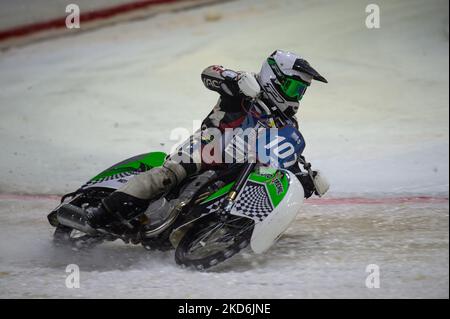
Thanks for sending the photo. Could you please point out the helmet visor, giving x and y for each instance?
(294, 88)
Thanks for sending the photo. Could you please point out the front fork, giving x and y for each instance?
(229, 201)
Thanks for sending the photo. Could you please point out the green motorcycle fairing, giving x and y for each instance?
(270, 184)
(265, 185)
(118, 174)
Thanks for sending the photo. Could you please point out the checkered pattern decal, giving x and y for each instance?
(253, 202)
(214, 207)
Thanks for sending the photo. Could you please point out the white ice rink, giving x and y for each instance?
(73, 106)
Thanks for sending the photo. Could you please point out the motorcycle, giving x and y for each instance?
(209, 217)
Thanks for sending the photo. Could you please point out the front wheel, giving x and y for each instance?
(211, 241)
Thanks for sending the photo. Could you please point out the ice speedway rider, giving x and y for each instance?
(282, 81)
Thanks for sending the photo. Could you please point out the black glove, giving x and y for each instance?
(307, 183)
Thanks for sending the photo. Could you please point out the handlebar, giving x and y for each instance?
(273, 111)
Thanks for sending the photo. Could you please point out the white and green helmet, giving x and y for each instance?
(284, 77)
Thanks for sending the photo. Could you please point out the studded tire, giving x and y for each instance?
(184, 257)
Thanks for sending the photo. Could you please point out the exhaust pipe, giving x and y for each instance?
(74, 217)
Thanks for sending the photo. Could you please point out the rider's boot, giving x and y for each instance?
(134, 197)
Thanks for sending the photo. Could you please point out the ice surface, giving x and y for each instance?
(72, 106)
(323, 255)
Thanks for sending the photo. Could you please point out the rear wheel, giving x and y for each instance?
(67, 236)
(212, 241)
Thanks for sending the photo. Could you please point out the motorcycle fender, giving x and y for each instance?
(266, 232)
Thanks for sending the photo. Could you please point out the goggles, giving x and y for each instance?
(291, 87)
